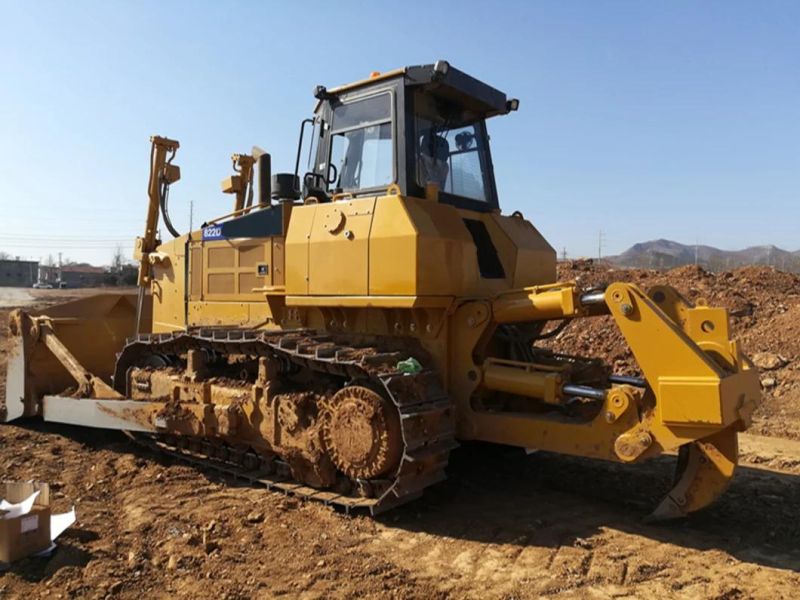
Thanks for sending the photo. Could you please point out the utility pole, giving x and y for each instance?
(696, 248)
(191, 214)
(600, 245)
(60, 274)
(564, 253)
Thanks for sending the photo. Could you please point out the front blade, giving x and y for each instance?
(12, 406)
(93, 329)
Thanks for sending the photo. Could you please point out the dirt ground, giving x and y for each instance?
(504, 525)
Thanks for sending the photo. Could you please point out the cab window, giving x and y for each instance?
(362, 148)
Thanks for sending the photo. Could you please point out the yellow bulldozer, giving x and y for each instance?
(340, 331)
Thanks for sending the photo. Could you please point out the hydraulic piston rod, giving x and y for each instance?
(542, 382)
(533, 381)
(593, 297)
(627, 380)
(584, 391)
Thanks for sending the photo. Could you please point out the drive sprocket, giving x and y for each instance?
(362, 433)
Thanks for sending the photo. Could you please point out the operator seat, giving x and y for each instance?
(432, 161)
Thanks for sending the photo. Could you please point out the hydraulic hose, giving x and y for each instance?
(163, 201)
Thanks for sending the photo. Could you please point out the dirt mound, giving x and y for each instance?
(764, 304)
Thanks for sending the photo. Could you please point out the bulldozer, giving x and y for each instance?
(340, 331)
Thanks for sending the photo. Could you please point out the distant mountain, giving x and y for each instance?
(664, 254)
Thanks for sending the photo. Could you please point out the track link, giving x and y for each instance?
(426, 413)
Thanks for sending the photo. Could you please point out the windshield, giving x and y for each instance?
(361, 144)
(449, 148)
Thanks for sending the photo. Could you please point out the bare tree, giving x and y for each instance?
(5, 256)
(118, 261)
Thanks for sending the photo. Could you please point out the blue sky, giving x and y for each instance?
(641, 119)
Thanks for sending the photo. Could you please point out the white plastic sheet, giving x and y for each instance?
(60, 523)
(19, 509)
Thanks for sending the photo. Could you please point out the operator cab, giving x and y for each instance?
(421, 128)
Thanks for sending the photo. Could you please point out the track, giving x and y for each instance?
(426, 416)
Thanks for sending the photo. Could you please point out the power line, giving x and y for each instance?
(65, 246)
(57, 238)
(68, 243)
(128, 241)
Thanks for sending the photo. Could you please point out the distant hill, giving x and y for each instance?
(666, 254)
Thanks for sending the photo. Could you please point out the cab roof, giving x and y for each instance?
(444, 80)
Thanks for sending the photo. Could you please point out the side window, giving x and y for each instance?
(376, 157)
(362, 149)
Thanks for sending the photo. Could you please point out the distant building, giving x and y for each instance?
(74, 276)
(18, 273)
(83, 276)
